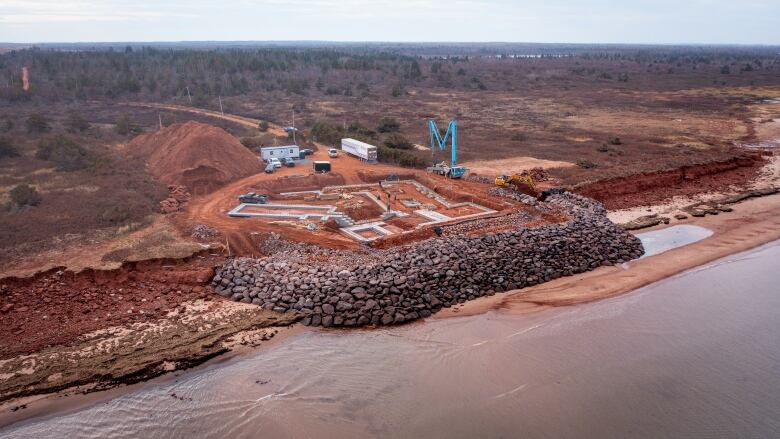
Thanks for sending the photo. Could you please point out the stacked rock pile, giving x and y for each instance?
(414, 281)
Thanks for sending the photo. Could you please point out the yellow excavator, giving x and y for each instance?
(518, 182)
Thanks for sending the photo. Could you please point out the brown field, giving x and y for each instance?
(627, 126)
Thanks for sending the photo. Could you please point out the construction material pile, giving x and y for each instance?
(199, 156)
(538, 174)
(177, 198)
(420, 279)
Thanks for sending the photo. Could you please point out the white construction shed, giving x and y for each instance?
(359, 149)
(280, 152)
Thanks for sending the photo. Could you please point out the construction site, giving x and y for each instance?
(366, 244)
(245, 238)
(360, 203)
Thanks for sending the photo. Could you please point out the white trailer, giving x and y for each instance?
(280, 152)
(359, 149)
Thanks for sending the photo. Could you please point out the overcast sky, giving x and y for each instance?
(576, 21)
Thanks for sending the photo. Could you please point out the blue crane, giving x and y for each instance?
(452, 170)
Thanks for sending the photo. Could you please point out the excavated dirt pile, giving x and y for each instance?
(406, 283)
(196, 155)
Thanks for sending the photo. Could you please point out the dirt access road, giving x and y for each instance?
(246, 121)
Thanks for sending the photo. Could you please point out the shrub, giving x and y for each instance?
(519, 137)
(25, 195)
(115, 214)
(251, 142)
(7, 149)
(586, 164)
(603, 148)
(399, 157)
(125, 126)
(388, 125)
(6, 126)
(36, 123)
(397, 141)
(167, 119)
(326, 132)
(360, 132)
(66, 154)
(262, 126)
(76, 123)
(615, 141)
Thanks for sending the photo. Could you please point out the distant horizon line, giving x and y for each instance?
(370, 42)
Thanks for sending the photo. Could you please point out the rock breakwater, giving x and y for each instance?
(402, 284)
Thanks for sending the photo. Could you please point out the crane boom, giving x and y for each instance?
(441, 142)
(438, 141)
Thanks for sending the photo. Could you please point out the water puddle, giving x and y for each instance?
(663, 240)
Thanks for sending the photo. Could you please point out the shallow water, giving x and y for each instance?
(697, 355)
(668, 238)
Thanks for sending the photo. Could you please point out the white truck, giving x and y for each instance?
(359, 149)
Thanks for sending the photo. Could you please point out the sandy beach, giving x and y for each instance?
(752, 223)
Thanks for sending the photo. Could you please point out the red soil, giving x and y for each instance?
(56, 306)
(654, 187)
(199, 156)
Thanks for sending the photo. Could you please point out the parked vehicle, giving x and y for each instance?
(333, 152)
(275, 162)
(270, 168)
(253, 198)
(321, 166)
(307, 151)
(359, 149)
(286, 161)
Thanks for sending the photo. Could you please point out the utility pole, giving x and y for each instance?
(159, 117)
(188, 94)
(293, 128)
(220, 106)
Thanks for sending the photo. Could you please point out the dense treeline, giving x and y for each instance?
(134, 73)
(165, 73)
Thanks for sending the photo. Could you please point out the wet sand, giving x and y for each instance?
(691, 356)
(107, 358)
(73, 399)
(752, 223)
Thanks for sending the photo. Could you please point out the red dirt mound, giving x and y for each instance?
(199, 156)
